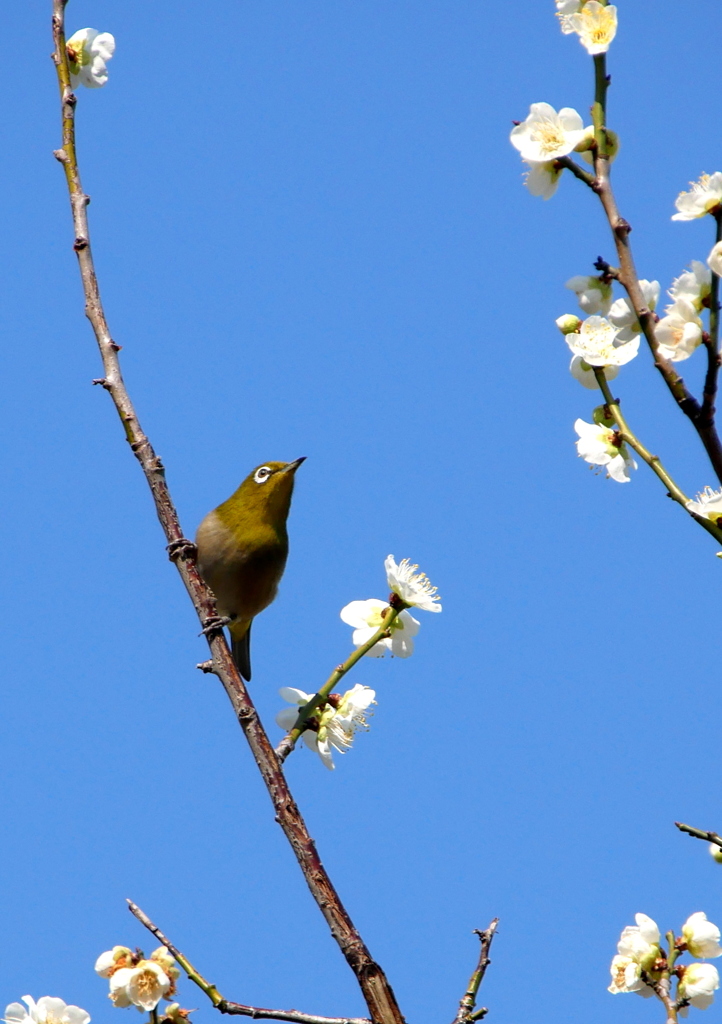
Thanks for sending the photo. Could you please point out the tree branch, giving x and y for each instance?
(707, 412)
(468, 1001)
(223, 1005)
(704, 425)
(653, 461)
(377, 992)
(698, 833)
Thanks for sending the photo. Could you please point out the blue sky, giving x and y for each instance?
(313, 239)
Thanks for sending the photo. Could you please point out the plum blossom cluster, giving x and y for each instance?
(333, 724)
(407, 585)
(88, 53)
(643, 966)
(135, 980)
(594, 23)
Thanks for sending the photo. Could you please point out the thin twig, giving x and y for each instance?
(703, 424)
(468, 1000)
(224, 1005)
(577, 171)
(699, 833)
(653, 461)
(377, 992)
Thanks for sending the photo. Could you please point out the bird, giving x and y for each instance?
(242, 549)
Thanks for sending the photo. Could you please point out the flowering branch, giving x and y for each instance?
(377, 992)
(224, 1005)
(468, 1001)
(287, 744)
(653, 461)
(702, 418)
(698, 833)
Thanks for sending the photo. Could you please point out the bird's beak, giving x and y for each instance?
(291, 467)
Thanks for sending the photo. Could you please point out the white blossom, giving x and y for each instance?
(143, 985)
(694, 285)
(414, 588)
(547, 135)
(703, 197)
(88, 51)
(596, 26)
(622, 313)
(593, 295)
(367, 617)
(565, 8)
(542, 178)
(597, 342)
(702, 937)
(637, 949)
(714, 260)
(715, 852)
(47, 1010)
(708, 505)
(627, 977)
(599, 446)
(112, 960)
(698, 984)
(584, 373)
(679, 332)
(335, 724)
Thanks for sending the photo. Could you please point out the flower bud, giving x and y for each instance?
(600, 416)
(568, 324)
(715, 851)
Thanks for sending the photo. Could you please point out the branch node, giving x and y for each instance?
(207, 667)
(103, 381)
(80, 243)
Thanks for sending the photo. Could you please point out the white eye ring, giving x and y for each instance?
(262, 474)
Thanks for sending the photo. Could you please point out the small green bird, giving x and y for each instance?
(242, 550)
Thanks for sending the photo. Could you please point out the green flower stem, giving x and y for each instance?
(652, 461)
(384, 631)
(699, 833)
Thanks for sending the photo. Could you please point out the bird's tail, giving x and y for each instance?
(241, 648)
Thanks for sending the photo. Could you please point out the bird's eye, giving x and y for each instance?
(262, 474)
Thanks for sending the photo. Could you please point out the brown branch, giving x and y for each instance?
(224, 1005)
(468, 1001)
(711, 341)
(698, 833)
(377, 992)
(703, 422)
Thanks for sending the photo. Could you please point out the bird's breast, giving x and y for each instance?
(242, 568)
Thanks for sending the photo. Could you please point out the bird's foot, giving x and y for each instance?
(214, 624)
(181, 548)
